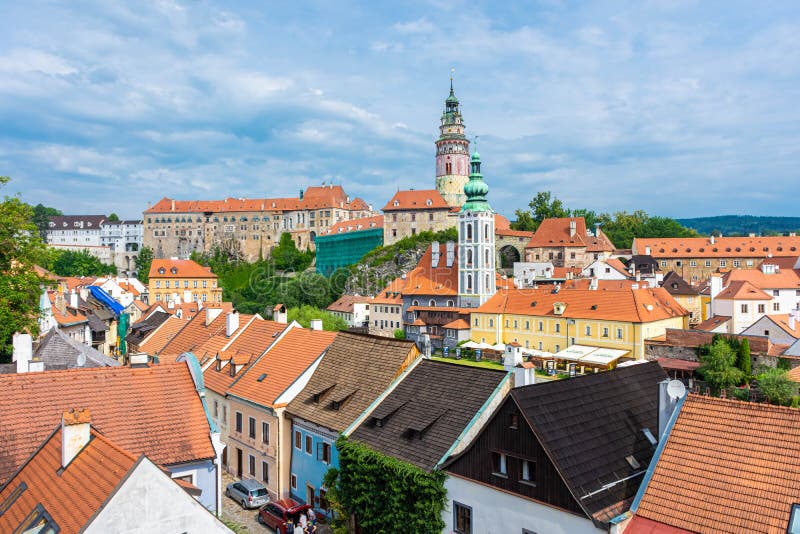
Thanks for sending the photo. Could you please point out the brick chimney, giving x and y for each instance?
(75, 433)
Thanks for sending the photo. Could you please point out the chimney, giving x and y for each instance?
(173, 205)
(316, 324)
(211, 314)
(512, 356)
(667, 401)
(279, 314)
(73, 299)
(752, 234)
(139, 359)
(597, 229)
(75, 433)
(646, 251)
(572, 227)
(593, 284)
(792, 322)
(712, 239)
(61, 305)
(638, 277)
(231, 323)
(716, 286)
(524, 376)
(23, 352)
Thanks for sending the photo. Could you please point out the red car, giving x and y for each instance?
(282, 515)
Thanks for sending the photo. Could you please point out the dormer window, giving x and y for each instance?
(428, 202)
(161, 270)
(396, 203)
(174, 270)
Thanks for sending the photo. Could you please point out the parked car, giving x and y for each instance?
(249, 493)
(281, 515)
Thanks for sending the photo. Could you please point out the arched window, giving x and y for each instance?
(469, 282)
(432, 303)
(469, 257)
(450, 304)
(415, 303)
(469, 232)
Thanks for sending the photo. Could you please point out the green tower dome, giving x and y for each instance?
(476, 189)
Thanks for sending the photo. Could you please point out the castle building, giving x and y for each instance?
(476, 280)
(452, 154)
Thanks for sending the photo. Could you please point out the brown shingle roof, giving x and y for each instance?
(346, 302)
(360, 366)
(71, 496)
(154, 410)
(727, 466)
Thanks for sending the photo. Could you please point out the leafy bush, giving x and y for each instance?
(776, 386)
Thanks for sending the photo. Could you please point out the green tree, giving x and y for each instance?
(143, 263)
(524, 221)
(20, 248)
(776, 386)
(287, 257)
(113, 217)
(399, 334)
(718, 367)
(41, 218)
(743, 361)
(79, 263)
(304, 314)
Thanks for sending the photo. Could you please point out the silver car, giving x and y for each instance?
(249, 493)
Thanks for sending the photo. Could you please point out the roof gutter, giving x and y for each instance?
(486, 406)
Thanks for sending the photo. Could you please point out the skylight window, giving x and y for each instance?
(633, 462)
(262, 377)
(649, 435)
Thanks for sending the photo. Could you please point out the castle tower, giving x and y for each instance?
(452, 153)
(476, 278)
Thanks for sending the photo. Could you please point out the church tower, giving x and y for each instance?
(452, 153)
(476, 277)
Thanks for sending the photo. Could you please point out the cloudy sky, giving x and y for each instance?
(681, 108)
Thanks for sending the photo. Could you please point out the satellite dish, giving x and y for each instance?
(676, 389)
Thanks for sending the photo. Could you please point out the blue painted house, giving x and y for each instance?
(356, 373)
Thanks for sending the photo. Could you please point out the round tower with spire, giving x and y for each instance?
(476, 255)
(452, 153)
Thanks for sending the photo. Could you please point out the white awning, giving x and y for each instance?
(471, 345)
(585, 354)
(499, 346)
(575, 352)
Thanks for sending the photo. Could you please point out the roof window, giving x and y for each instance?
(12, 498)
(174, 270)
(161, 270)
(633, 462)
(649, 435)
(262, 377)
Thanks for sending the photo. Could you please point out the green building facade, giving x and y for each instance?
(345, 249)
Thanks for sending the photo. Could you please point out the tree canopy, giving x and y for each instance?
(143, 262)
(718, 366)
(620, 228)
(21, 248)
(113, 217)
(305, 313)
(41, 218)
(776, 386)
(77, 263)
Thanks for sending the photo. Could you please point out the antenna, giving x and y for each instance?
(676, 389)
(452, 73)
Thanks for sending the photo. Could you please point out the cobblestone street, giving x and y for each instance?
(232, 511)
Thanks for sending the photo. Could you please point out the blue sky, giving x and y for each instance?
(677, 107)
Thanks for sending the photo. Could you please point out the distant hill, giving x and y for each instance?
(743, 224)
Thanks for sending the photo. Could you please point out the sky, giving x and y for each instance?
(680, 108)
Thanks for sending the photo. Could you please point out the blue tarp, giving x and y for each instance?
(102, 295)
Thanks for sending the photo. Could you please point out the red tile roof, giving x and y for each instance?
(162, 335)
(73, 495)
(427, 280)
(782, 321)
(346, 302)
(501, 223)
(784, 278)
(286, 360)
(636, 305)
(354, 225)
(723, 247)
(391, 294)
(182, 268)
(458, 324)
(603, 285)
(512, 233)
(727, 466)
(195, 334)
(742, 290)
(154, 410)
(427, 199)
(555, 232)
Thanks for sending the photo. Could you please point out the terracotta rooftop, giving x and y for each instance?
(428, 280)
(416, 200)
(179, 269)
(555, 232)
(153, 410)
(458, 324)
(99, 468)
(391, 294)
(794, 374)
(636, 305)
(156, 340)
(354, 225)
(742, 290)
(604, 285)
(727, 466)
(783, 322)
(196, 333)
(346, 302)
(712, 323)
(353, 373)
(274, 371)
(783, 278)
(723, 247)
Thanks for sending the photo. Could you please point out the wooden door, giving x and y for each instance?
(239, 463)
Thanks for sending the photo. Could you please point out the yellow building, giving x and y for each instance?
(182, 281)
(550, 320)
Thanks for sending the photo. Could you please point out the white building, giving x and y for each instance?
(783, 329)
(606, 269)
(79, 230)
(354, 309)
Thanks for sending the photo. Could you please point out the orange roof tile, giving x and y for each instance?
(285, 361)
(501, 223)
(219, 380)
(604, 285)
(636, 305)
(513, 233)
(426, 280)
(391, 294)
(727, 466)
(162, 335)
(259, 335)
(784, 278)
(425, 199)
(458, 324)
(354, 225)
(345, 303)
(712, 323)
(141, 305)
(73, 495)
(197, 336)
(742, 290)
(179, 269)
(555, 232)
(794, 374)
(723, 247)
(782, 320)
(154, 410)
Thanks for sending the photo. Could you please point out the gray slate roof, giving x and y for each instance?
(59, 351)
(142, 329)
(427, 411)
(676, 285)
(588, 425)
